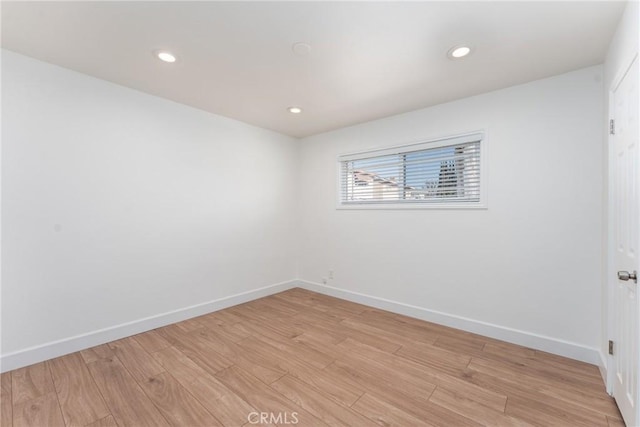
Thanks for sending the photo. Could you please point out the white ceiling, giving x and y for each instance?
(368, 59)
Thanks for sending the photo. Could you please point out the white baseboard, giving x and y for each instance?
(528, 339)
(603, 366)
(50, 350)
(59, 348)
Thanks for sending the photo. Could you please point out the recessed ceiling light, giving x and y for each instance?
(295, 110)
(301, 49)
(457, 52)
(166, 56)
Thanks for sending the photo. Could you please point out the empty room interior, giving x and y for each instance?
(320, 213)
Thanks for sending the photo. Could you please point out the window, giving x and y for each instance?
(442, 173)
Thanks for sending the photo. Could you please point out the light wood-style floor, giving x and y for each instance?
(307, 357)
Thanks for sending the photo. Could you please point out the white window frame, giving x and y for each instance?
(424, 144)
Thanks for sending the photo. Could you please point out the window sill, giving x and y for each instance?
(411, 206)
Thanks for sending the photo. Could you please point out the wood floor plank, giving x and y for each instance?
(332, 362)
(128, 404)
(574, 365)
(505, 349)
(42, 411)
(399, 395)
(376, 363)
(262, 397)
(286, 326)
(31, 382)
(267, 370)
(536, 400)
(151, 341)
(548, 385)
(256, 421)
(407, 398)
(373, 331)
(221, 402)
(393, 321)
(316, 403)
(321, 342)
(226, 317)
(107, 421)
(368, 336)
(292, 303)
(288, 346)
(251, 311)
(282, 307)
(138, 362)
(427, 354)
(335, 387)
(79, 398)
(440, 330)
(177, 405)
(538, 413)
(615, 422)
(415, 373)
(179, 365)
(329, 302)
(341, 332)
(392, 330)
(322, 321)
(92, 354)
(532, 365)
(198, 349)
(463, 405)
(234, 332)
(6, 401)
(188, 325)
(313, 313)
(385, 414)
(460, 344)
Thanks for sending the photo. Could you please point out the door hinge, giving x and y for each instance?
(612, 127)
(610, 347)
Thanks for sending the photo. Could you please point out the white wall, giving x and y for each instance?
(623, 48)
(118, 205)
(530, 262)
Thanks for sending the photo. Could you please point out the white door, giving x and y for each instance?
(626, 215)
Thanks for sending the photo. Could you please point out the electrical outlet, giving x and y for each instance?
(330, 274)
(324, 280)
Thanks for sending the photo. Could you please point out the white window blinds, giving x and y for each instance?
(446, 171)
